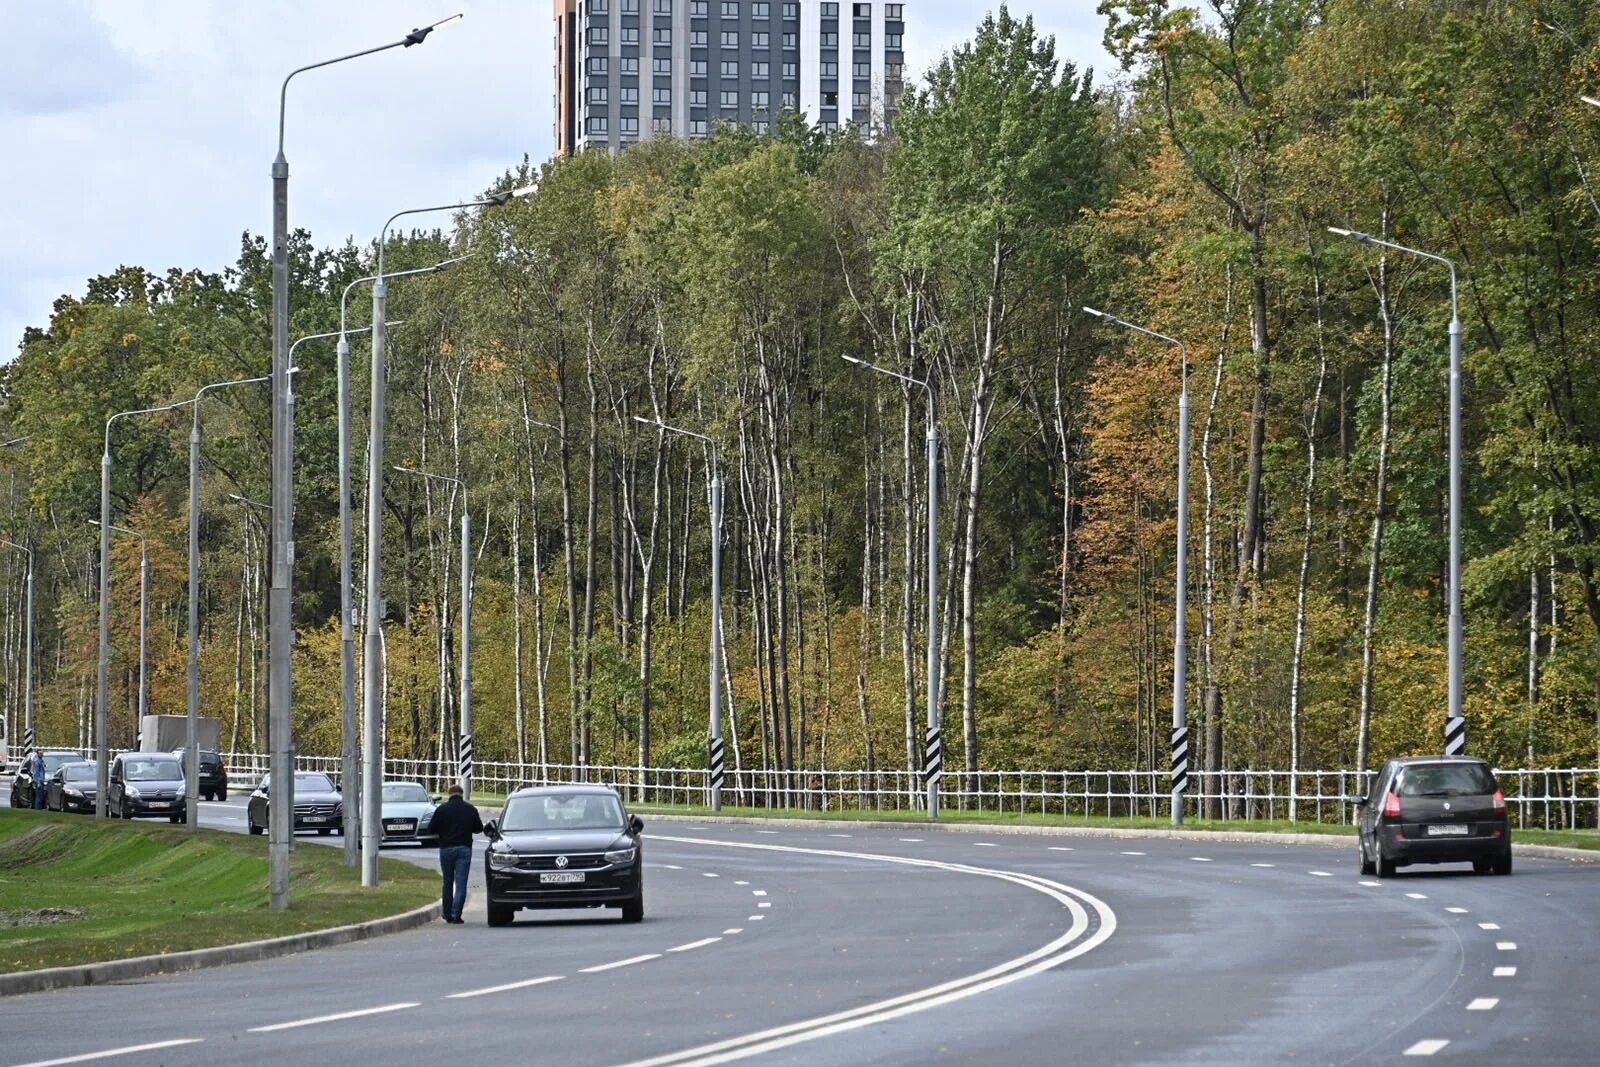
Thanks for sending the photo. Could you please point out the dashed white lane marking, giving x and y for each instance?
(672, 866)
(504, 988)
(1505, 972)
(766, 831)
(986, 844)
(381, 1010)
(1133, 853)
(734, 930)
(1201, 859)
(704, 941)
(1059, 848)
(758, 892)
(1483, 1003)
(755, 918)
(741, 883)
(708, 874)
(622, 963)
(1506, 946)
(1426, 1048)
(1488, 926)
(126, 1050)
(1263, 865)
(1456, 911)
(912, 840)
(838, 835)
(1371, 883)
(764, 904)
(1417, 896)
(699, 827)
(1320, 874)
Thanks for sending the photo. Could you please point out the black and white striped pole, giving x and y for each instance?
(715, 752)
(1455, 725)
(1180, 597)
(933, 750)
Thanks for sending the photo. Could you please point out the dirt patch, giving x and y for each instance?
(21, 918)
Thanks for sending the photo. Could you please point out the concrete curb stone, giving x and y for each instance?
(195, 959)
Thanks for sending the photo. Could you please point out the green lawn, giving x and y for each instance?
(137, 888)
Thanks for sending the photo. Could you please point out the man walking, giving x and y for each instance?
(454, 822)
(36, 775)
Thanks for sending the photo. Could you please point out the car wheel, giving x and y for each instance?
(254, 829)
(499, 916)
(1367, 866)
(126, 814)
(1502, 863)
(174, 819)
(1482, 866)
(221, 795)
(633, 910)
(1384, 866)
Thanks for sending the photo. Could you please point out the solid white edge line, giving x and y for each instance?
(1061, 950)
(125, 1051)
(504, 988)
(337, 1017)
(1505, 972)
(1425, 1048)
(622, 963)
(696, 944)
(1483, 1003)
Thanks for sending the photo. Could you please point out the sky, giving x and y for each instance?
(141, 132)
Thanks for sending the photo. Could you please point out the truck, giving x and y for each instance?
(163, 733)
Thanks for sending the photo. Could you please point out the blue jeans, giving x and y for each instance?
(38, 796)
(455, 863)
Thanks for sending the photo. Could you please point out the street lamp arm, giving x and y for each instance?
(19, 548)
(140, 411)
(893, 374)
(345, 296)
(435, 477)
(1368, 239)
(120, 529)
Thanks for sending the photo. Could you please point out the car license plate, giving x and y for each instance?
(160, 804)
(315, 818)
(560, 877)
(401, 827)
(1447, 831)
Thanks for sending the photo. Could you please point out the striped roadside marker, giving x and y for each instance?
(1455, 736)
(1180, 765)
(718, 765)
(934, 758)
(465, 765)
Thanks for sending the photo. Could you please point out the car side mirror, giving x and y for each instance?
(336, 788)
(437, 799)
(491, 830)
(635, 824)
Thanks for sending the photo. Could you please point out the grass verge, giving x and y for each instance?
(76, 890)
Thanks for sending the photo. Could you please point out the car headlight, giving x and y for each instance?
(132, 792)
(338, 809)
(622, 855)
(502, 860)
(425, 821)
(71, 792)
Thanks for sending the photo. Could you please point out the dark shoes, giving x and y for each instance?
(457, 920)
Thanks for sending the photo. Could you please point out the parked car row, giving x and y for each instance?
(139, 784)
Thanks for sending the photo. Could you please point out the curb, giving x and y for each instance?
(196, 959)
(1253, 837)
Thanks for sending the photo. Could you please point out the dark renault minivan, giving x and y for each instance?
(1434, 809)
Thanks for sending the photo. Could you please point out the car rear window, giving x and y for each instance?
(1446, 780)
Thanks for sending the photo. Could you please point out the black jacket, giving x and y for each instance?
(454, 822)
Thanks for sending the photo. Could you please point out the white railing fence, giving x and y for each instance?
(1548, 798)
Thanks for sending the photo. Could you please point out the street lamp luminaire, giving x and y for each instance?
(718, 761)
(280, 629)
(102, 746)
(27, 666)
(464, 750)
(1455, 726)
(372, 694)
(934, 756)
(1180, 609)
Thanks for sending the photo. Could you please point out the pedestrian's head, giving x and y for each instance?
(455, 791)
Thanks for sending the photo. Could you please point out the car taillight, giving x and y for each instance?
(1391, 806)
(1499, 802)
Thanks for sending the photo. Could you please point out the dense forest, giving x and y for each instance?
(717, 284)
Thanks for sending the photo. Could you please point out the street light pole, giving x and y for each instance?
(372, 665)
(464, 756)
(102, 744)
(280, 629)
(144, 618)
(933, 759)
(717, 753)
(27, 666)
(1455, 726)
(1180, 597)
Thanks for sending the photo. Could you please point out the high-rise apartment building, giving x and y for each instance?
(626, 69)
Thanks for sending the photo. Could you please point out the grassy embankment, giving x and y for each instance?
(77, 890)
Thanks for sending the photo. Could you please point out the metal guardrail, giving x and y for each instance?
(1554, 798)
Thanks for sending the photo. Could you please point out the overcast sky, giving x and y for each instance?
(141, 131)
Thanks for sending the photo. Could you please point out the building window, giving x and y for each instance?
(697, 68)
(762, 128)
(597, 7)
(598, 124)
(830, 11)
(789, 101)
(697, 127)
(663, 7)
(630, 64)
(893, 11)
(630, 7)
(597, 64)
(891, 41)
(830, 99)
(630, 34)
(858, 100)
(862, 70)
(730, 38)
(630, 95)
(829, 39)
(759, 38)
(662, 35)
(730, 98)
(863, 40)
(760, 11)
(697, 38)
(599, 35)
(661, 96)
(791, 40)
(830, 127)
(830, 69)
(760, 101)
(730, 68)
(698, 8)
(760, 69)
(791, 70)
(597, 94)
(893, 71)
(661, 124)
(730, 9)
(630, 125)
(791, 11)
(697, 98)
(863, 11)
(662, 65)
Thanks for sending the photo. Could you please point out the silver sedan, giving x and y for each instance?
(407, 813)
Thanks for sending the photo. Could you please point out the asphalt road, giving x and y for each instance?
(910, 947)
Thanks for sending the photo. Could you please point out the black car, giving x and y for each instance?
(146, 785)
(564, 846)
(72, 787)
(317, 804)
(22, 784)
(212, 781)
(1434, 809)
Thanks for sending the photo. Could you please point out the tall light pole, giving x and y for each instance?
(27, 666)
(464, 747)
(280, 628)
(372, 665)
(349, 752)
(714, 489)
(1455, 726)
(102, 745)
(933, 760)
(144, 617)
(1180, 596)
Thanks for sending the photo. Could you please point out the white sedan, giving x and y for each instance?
(407, 812)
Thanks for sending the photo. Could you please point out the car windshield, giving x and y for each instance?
(555, 811)
(52, 760)
(405, 793)
(313, 783)
(78, 772)
(1446, 780)
(151, 770)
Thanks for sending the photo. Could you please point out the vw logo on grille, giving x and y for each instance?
(561, 861)
(1447, 805)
